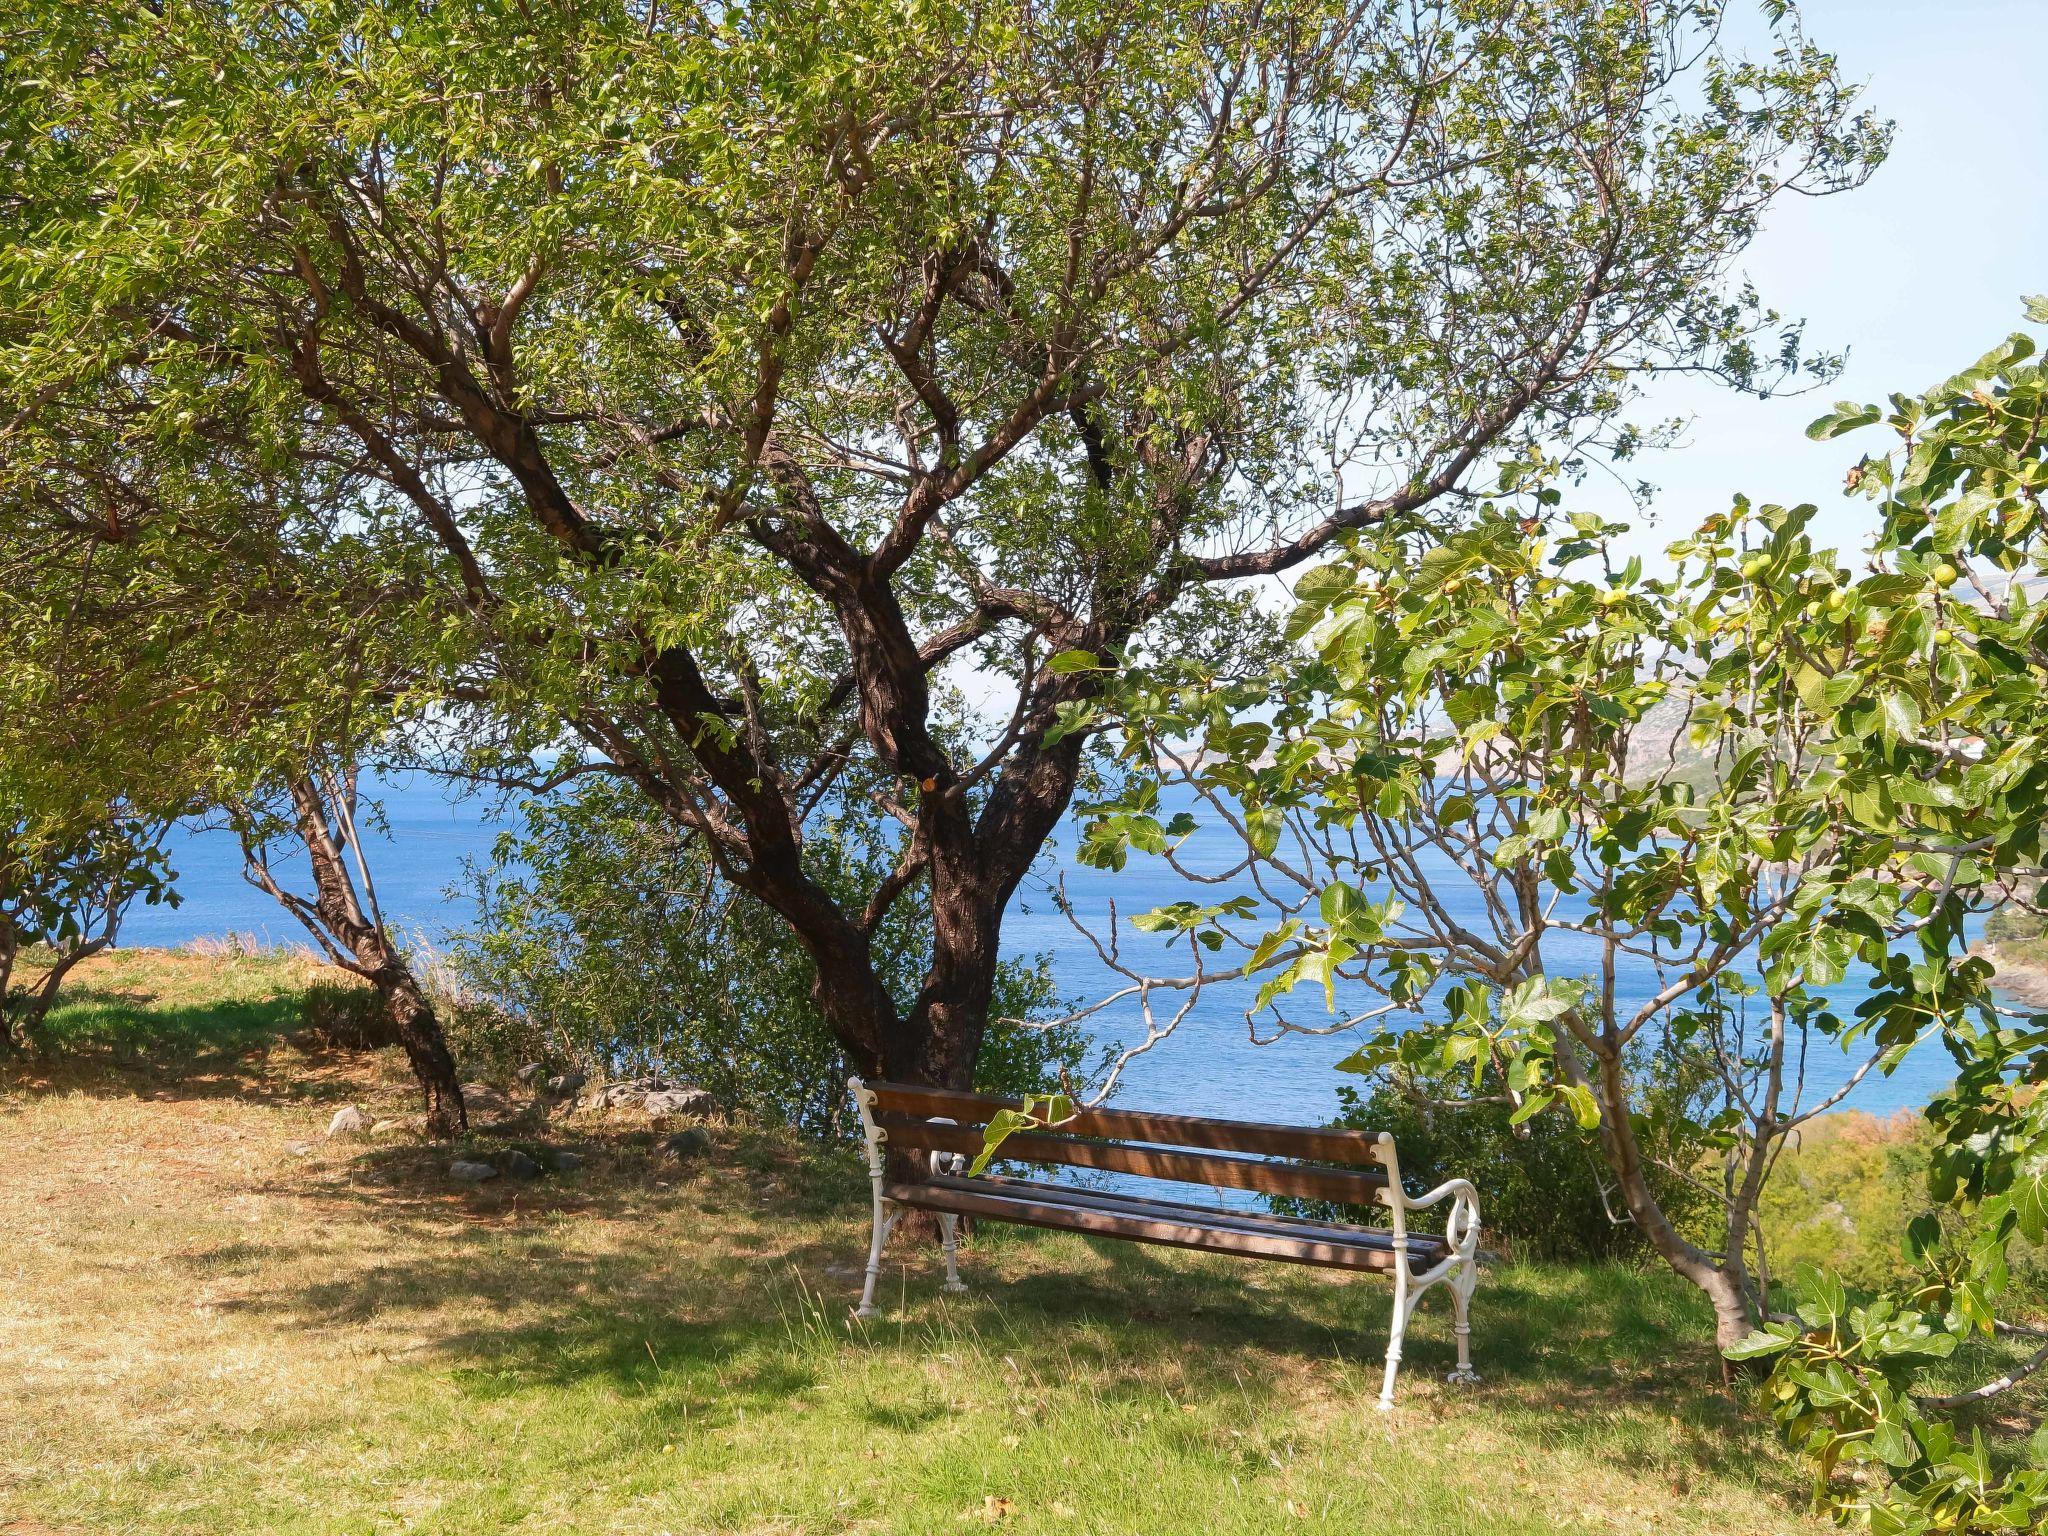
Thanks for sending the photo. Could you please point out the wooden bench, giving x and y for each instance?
(1347, 1167)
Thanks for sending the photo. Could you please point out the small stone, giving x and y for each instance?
(684, 1145)
(299, 1148)
(349, 1121)
(565, 1162)
(471, 1173)
(562, 1085)
(520, 1166)
(679, 1101)
(529, 1072)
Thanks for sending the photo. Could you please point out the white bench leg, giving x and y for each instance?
(1404, 1308)
(1463, 1283)
(949, 1226)
(885, 1218)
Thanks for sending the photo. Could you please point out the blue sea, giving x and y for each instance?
(1210, 1065)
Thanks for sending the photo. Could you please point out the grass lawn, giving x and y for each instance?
(207, 1327)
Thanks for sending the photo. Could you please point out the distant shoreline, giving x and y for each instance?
(2025, 981)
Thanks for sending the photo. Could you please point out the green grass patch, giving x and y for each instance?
(212, 1330)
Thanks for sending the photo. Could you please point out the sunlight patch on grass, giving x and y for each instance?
(209, 1333)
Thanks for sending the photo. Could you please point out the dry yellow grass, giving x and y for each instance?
(204, 1331)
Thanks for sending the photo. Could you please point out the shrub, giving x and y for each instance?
(1543, 1194)
(607, 940)
(348, 1015)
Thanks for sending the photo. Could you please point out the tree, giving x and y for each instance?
(1521, 813)
(319, 816)
(1953, 775)
(712, 380)
(82, 819)
(67, 877)
(238, 673)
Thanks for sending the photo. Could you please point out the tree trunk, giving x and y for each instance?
(358, 943)
(1721, 1283)
(24, 1009)
(426, 1048)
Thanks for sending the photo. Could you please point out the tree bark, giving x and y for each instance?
(358, 943)
(426, 1048)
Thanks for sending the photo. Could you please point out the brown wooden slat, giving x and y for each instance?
(1189, 1232)
(1424, 1245)
(1346, 1186)
(1323, 1145)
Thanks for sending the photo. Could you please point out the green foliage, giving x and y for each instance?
(606, 939)
(348, 1015)
(1037, 1111)
(68, 874)
(1545, 1195)
(687, 386)
(2014, 924)
(1841, 1387)
(1938, 718)
(1844, 1195)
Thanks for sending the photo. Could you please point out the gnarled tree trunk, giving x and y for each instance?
(357, 941)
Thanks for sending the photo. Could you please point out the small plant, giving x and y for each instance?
(1841, 1389)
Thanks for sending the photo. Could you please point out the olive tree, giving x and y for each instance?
(711, 380)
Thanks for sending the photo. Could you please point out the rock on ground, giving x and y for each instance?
(565, 1162)
(520, 1166)
(349, 1121)
(679, 1101)
(471, 1173)
(684, 1145)
(566, 1083)
(655, 1095)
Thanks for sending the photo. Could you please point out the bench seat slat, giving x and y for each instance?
(1344, 1186)
(1423, 1247)
(1324, 1145)
(1365, 1251)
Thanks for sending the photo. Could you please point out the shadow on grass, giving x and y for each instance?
(167, 1025)
(124, 1028)
(727, 1291)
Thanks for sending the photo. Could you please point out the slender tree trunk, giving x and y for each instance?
(24, 1010)
(1720, 1282)
(426, 1048)
(354, 940)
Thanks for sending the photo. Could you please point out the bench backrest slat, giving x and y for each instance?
(1347, 1186)
(1357, 1148)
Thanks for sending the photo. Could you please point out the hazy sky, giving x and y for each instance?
(1915, 274)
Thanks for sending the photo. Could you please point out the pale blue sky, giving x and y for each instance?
(1914, 274)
